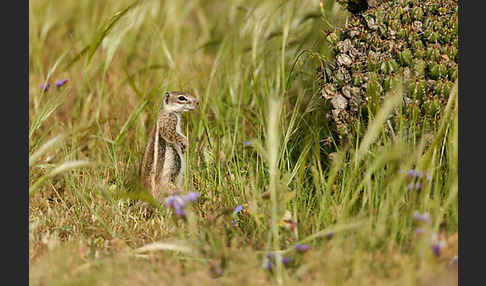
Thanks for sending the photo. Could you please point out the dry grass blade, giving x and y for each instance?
(445, 123)
(44, 148)
(273, 152)
(331, 230)
(325, 232)
(377, 124)
(54, 67)
(162, 246)
(102, 33)
(76, 57)
(46, 111)
(70, 165)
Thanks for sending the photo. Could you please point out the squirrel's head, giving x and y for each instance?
(178, 101)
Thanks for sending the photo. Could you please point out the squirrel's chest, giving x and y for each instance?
(178, 124)
(174, 163)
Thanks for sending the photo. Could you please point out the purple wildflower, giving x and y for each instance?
(267, 265)
(45, 87)
(238, 209)
(417, 174)
(180, 211)
(302, 247)
(436, 247)
(270, 261)
(425, 217)
(61, 82)
(411, 173)
(178, 202)
(414, 173)
(416, 186)
(285, 260)
(247, 143)
(192, 196)
(330, 235)
(174, 200)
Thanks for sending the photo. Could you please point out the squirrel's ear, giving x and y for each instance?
(166, 97)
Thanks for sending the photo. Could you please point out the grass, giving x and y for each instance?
(257, 140)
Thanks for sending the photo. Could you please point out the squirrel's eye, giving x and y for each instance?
(182, 98)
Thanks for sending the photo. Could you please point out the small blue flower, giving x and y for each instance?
(302, 247)
(177, 202)
(192, 196)
(61, 82)
(45, 87)
(172, 201)
(179, 210)
(267, 265)
(238, 209)
(414, 173)
(417, 174)
(285, 260)
(436, 247)
(247, 143)
(416, 186)
(270, 261)
(411, 173)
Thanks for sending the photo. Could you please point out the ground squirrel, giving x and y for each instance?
(162, 166)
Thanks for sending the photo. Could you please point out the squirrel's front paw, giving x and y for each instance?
(184, 145)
